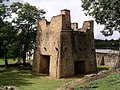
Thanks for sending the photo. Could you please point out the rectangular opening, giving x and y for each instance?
(79, 67)
(45, 64)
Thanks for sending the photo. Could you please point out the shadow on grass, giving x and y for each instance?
(16, 77)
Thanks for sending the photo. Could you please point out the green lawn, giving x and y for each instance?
(10, 61)
(111, 82)
(25, 80)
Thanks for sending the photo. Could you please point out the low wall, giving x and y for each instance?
(106, 59)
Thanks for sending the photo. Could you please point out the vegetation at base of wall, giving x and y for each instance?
(111, 82)
(100, 68)
(23, 79)
(107, 44)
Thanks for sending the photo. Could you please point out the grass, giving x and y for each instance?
(25, 80)
(100, 68)
(111, 82)
(10, 61)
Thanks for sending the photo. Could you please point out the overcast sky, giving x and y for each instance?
(53, 7)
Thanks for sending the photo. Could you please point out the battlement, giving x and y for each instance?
(63, 50)
(63, 22)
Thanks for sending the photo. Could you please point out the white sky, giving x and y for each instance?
(53, 7)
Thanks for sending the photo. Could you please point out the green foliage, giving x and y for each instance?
(105, 12)
(7, 32)
(111, 82)
(18, 36)
(7, 37)
(100, 68)
(107, 44)
(25, 22)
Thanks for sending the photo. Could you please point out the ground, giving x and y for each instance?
(99, 81)
(25, 80)
(111, 82)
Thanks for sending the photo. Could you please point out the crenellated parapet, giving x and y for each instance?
(63, 50)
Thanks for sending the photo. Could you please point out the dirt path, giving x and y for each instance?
(87, 78)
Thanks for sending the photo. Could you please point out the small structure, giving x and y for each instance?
(63, 50)
(106, 57)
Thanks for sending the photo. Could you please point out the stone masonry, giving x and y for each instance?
(109, 59)
(63, 50)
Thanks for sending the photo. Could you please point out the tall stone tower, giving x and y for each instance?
(63, 50)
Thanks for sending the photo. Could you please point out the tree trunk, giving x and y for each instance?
(5, 57)
(1, 51)
(24, 56)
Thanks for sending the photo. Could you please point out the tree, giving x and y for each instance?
(25, 22)
(105, 12)
(6, 29)
(7, 37)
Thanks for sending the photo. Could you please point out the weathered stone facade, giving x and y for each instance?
(63, 50)
(109, 59)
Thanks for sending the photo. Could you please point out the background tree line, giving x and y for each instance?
(107, 44)
(18, 26)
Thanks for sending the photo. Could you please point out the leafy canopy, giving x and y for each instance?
(105, 12)
(25, 22)
(6, 30)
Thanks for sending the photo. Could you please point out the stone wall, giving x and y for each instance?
(62, 50)
(48, 45)
(66, 54)
(106, 59)
(88, 26)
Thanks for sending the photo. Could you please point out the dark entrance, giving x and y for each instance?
(45, 64)
(79, 67)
